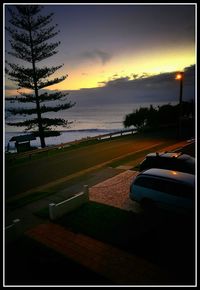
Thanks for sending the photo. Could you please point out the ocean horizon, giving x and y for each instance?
(83, 122)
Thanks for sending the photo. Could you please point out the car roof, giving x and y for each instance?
(164, 154)
(182, 177)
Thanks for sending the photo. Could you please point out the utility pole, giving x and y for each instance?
(179, 77)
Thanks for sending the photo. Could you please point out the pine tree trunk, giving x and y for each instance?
(40, 127)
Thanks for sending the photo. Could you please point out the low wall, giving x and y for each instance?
(68, 205)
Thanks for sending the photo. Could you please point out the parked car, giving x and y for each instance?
(164, 188)
(169, 160)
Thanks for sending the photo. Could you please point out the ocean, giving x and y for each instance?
(85, 122)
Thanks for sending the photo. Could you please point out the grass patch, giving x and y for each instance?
(102, 222)
(16, 159)
(21, 201)
(140, 154)
(148, 236)
(158, 237)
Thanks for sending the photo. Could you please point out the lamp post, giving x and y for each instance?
(179, 77)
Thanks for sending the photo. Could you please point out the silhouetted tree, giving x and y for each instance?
(163, 115)
(152, 120)
(167, 114)
(30, 32)
(137, 118)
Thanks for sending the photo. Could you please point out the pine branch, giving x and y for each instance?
(21, 56)
(45, 121)
(30, 10)
(22, 111)
(48, 133)
(19, 37)
(43, 51)
(45, 97)
(20, 47)
(51, 82)
(53, 96)
(42, 21)
(30, 124)
(45, 55)
(54, 122)
(46, 71)
(43, 35)
(21, 100)
(19, 72)
(45, 109)
(25, 84)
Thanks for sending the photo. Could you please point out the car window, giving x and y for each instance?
(182, 190)
(150, 182)
(166, 185)
(142, 181)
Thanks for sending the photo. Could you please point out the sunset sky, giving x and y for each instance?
(101, 43)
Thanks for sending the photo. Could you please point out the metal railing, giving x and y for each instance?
(67, 144)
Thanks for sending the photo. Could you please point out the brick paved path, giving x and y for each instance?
(111, 262)
(115, 191)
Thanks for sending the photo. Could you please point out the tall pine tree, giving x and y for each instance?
(30, 32)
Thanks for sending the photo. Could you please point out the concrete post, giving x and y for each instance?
(13, 231)
(52, 214)
(16, 228)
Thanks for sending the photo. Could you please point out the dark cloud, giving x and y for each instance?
(124, 90)
(96, 54)
(152, 89)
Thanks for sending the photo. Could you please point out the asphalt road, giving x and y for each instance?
(21, 177)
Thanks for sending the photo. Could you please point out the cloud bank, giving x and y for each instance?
(143, 89)
(148, 89)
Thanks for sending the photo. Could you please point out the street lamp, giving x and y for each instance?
(179, 77)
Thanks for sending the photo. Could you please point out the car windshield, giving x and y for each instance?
(186, 157)
(187, 160)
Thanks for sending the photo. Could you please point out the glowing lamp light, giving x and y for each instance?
(179, 76)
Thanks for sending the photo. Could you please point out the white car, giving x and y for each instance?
(164, 188)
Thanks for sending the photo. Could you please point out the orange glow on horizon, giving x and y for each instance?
(95, 75)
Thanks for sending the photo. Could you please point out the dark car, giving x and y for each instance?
(169, 160)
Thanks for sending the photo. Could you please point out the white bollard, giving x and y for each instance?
(17, 227)
(52, 214)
